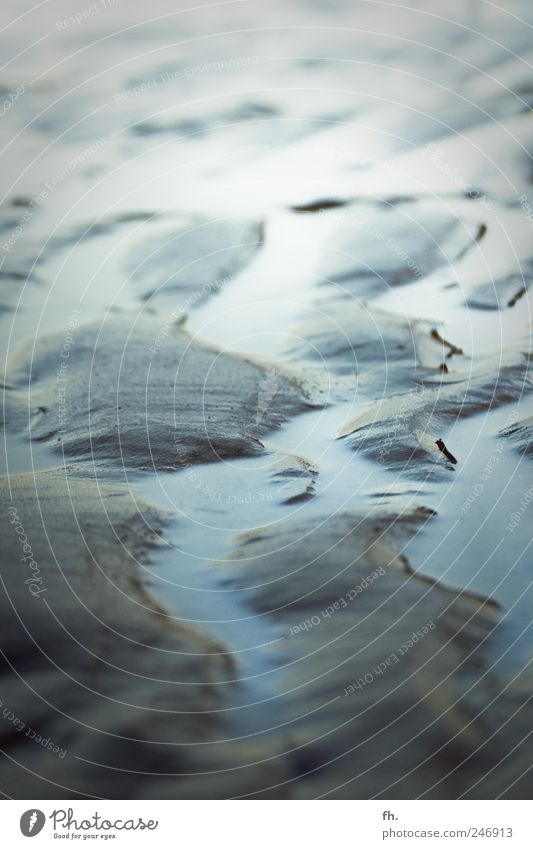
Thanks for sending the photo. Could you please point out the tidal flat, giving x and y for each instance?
(266, 317)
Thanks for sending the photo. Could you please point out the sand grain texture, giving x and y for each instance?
(141, 394)
(94, 664)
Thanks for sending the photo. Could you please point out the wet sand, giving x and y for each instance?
(265, 296)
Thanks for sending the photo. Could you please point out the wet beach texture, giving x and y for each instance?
(266, 318)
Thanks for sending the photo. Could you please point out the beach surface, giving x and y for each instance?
(266, 318)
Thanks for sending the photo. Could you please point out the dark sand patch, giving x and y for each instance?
(91, 661)
(501, 294)
(139, 392)
(521, 435)
(320, 205)
(401, 432)
(293, 477)
(487, 717)
(381, 350)
(377, 246)
(11, 294)
(196, 122)
(347, 603)
(193, 257)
